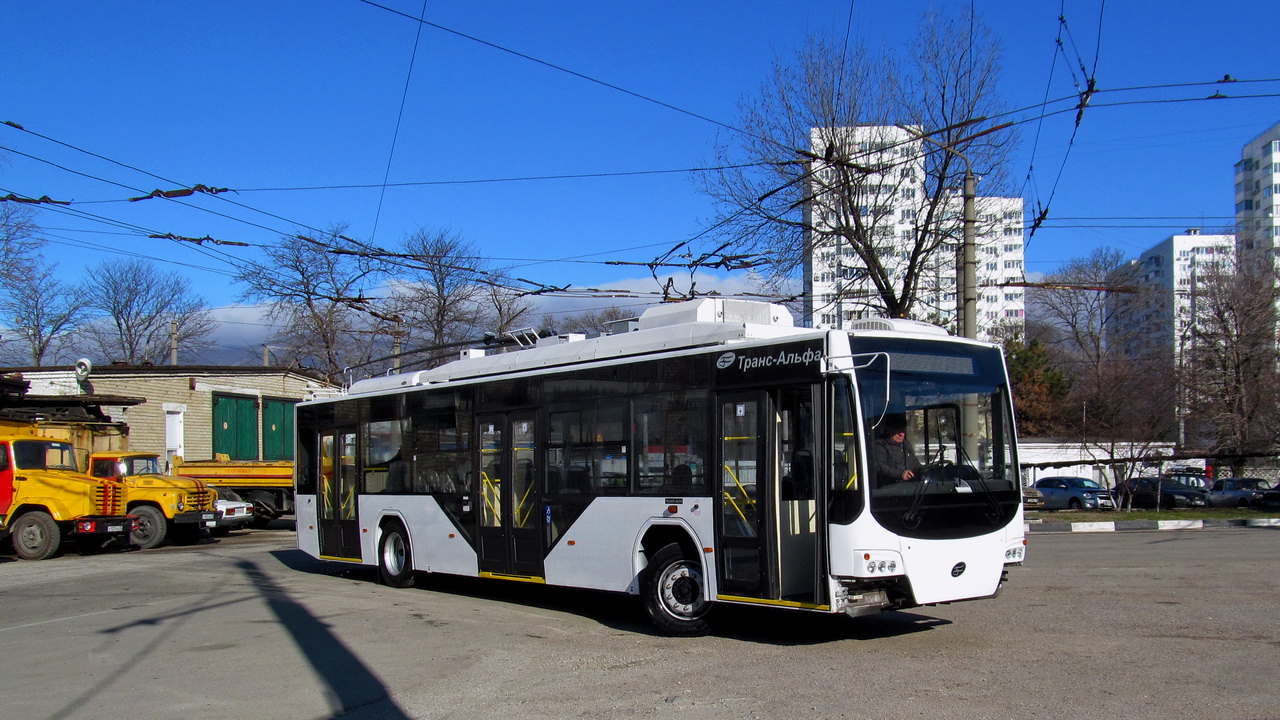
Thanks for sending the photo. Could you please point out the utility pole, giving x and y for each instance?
(967, 293)
(173, 341)
(395, 347)
(967, 256)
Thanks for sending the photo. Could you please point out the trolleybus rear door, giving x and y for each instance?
(510, 504)
(338, 523)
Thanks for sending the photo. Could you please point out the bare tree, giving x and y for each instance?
(1072, 311)
(20, 242)
(445, 293)
(139, 307)
(1228, 364)
(587, 321)
(36, 308)
(315, 288)
(820, 182)
(42, 311)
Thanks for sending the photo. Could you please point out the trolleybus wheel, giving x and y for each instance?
(674, 593)
(395, 560)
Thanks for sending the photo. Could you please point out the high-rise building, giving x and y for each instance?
(1257, 188)
(1153, 311)
(886, 200)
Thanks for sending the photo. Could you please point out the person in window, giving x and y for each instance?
(894, 459)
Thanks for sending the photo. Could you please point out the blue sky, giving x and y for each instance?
(257, 96)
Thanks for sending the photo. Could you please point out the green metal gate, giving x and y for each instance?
(235, 426)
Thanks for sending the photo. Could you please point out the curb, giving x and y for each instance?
(1132, 525)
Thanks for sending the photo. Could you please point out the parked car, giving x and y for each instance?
(1271, 498)
(1148, 491)
(1238, 492)
(1032, 498)
(1191, 478)
(233, 513)
(1074, 493)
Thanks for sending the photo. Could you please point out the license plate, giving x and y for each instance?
(207, 516)
(115, 528)
(211, 523)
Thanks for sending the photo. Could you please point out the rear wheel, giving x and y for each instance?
(265, 507)
(395, 559)
(151, 528)
(675, 594)
(36, 536)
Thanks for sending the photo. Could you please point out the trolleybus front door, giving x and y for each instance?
(510, 504)
(770, 517)
(337, 521)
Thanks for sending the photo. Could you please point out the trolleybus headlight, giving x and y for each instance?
(871, 566)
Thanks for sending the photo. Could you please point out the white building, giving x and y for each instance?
(887, 205)
(1155, 312)
(1257, 188)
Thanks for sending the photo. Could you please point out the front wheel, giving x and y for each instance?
(151, 528)
(395, 559)
(36, 536)
(675, 594)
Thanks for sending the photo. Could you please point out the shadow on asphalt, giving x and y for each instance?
(625, 613)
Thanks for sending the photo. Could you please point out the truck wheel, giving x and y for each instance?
(264, 507)
(395, 559)
(674, 593)
(151, 529)
(36, 536)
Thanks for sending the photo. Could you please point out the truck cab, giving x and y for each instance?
(44, 498)
(168, 507)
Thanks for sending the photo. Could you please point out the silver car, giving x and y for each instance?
(1074, 493)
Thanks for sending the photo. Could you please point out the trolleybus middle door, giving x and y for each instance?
(745, 494)
(510, 504)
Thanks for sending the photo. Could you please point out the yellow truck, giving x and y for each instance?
(266, 484)
(168, 507)
(44, 498)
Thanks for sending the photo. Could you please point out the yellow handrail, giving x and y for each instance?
(520, 513)
(488, 486)
(750, 502)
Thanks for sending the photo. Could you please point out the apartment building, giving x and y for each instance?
(1154, 310)
(888, 205)
(1257, 189)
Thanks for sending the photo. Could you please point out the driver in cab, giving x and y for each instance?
(895, 461)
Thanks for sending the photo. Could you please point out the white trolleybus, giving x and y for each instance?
(712, 453)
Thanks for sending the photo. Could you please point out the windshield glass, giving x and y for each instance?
(1086, 484)
(141, 466)
(940, 438)
(44, 455)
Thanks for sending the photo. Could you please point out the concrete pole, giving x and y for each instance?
(173, 342)
(969, 316)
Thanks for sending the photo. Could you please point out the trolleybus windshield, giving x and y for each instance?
(958, 455)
